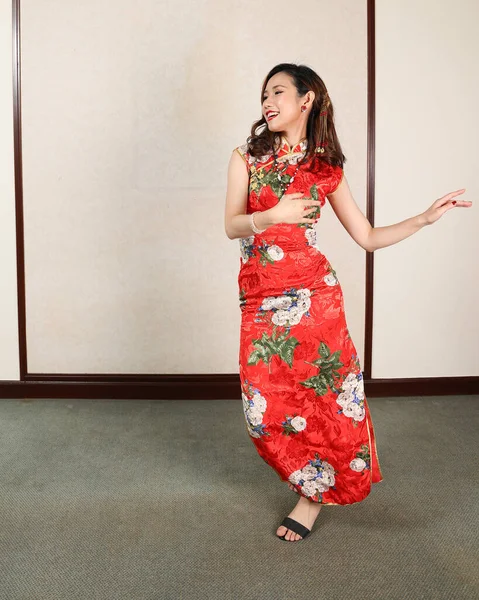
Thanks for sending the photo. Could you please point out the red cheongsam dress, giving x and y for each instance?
(301, 379)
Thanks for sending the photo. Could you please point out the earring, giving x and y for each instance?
(303, 108)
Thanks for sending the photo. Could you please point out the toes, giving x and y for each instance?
(291, 536)
(281, 531)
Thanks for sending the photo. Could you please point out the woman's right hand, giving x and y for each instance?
(292, 208)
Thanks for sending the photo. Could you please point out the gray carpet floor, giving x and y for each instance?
(103, 499)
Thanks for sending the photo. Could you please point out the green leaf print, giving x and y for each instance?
(365, 454)
(242, 297)
(328, 377)
(278, 344)
(323, 350)
(259, 178)
(264, 256)
(316, 211)
(318, 383)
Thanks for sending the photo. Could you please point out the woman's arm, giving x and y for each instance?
(373, 238)
(237, 222)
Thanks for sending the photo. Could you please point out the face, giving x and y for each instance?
(280, 96)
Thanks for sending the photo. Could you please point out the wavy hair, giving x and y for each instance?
(304, 79)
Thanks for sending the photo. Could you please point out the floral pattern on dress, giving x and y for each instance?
(254, 407)
(351, 398)
(286, 310)
(314, 479)
(315, 430)
(293, 424)
(362, 460)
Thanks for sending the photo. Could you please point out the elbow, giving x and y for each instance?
(369, 248)
(368, 242)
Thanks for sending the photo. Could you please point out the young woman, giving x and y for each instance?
(301, 379)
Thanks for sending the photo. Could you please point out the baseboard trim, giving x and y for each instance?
(203, 387)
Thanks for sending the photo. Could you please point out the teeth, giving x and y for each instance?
(272, 114)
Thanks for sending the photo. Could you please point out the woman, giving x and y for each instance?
(301, 379)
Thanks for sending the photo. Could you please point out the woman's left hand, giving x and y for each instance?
(436, 210)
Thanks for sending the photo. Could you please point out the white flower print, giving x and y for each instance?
(254, 415)
(254, 408)
(268, 303)
(293, 424)
(266, 253)
(259, 402)
(296, 477)
(315, 478)
(283, 302)
(354, 411)
(309, 488)
(357, 464)
(275, 252)
(291, 316)
(289, 308)
(311, 236)
(309, 472)
(304, 304)
(327, 479)
(298, 423)
(246, 248)
(351, 398)
(349, 383)
(330, 279)
(281, 318)
(328, 467)
(320, 485)
(362, 460)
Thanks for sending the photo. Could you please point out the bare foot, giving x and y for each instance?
(305, 512)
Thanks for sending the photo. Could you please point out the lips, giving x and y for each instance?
(271, 115)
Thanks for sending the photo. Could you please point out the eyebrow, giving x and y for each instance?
(275, 86)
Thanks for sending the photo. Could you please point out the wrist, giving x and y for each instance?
(422, 220)
(264, 219)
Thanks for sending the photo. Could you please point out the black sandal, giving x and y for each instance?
(294, 526)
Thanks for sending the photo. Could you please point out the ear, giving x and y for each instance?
(311, 96)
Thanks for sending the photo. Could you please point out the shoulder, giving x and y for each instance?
(330, 175)
(336, 177)
(243, 151)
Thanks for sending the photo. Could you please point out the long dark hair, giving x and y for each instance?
(304, 79)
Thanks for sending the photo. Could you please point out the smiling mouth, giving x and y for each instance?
(272, 116)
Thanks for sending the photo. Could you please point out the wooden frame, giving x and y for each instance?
(40, 385)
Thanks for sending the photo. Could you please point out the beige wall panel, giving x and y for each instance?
(129, 120)
(426, 289)
(9, 358)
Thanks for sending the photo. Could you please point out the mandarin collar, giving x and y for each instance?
(285, 147)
